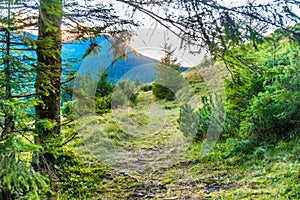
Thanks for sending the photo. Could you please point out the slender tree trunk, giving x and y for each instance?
(48, 80)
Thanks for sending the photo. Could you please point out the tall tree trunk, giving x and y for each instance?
(48, 80)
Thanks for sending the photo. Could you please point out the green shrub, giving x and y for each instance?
(146, 87)
(263, 99)
(188, 121)
(193, 123)
(204, 118)
(103, 104)
(67, 110)
(137, 82)
(80, 178)
(19, 179)
(104, 87)
(273, 114)
(103, 95)
(162, 92)
(119, 99)
(127, 87)
(271, 117)
(125, 92)
(169, 75)
(170, 106)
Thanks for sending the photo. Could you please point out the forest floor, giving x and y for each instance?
(149, 158)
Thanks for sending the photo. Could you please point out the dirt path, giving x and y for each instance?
(149, 155)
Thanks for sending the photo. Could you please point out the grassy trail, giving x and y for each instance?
(147, 157)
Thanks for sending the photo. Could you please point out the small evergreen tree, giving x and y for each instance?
(103, 94)
(195, 124)
(161, 87)
(104, 87)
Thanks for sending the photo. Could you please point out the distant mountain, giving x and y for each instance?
(134, 66)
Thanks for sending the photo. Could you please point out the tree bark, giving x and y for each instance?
(48, 81)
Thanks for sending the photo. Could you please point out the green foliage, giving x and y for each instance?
(276, 167)
(162, 92)
(128, 88)
(103, 104)
(104, 87)
(67, 110)
(28, 136)
(103, 95)
(171, 106)
(193, 123)
(188, 120)
(272, 117)
(240, 89)
(146, 87)
(204, 117)
(18, 178)
(166, 83)
(137, 82)
(263, 101)
(261, 172)
(119, 99)
(80, 177)
(125, 93)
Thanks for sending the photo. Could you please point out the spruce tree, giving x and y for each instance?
(18, 179)
(164, 86)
